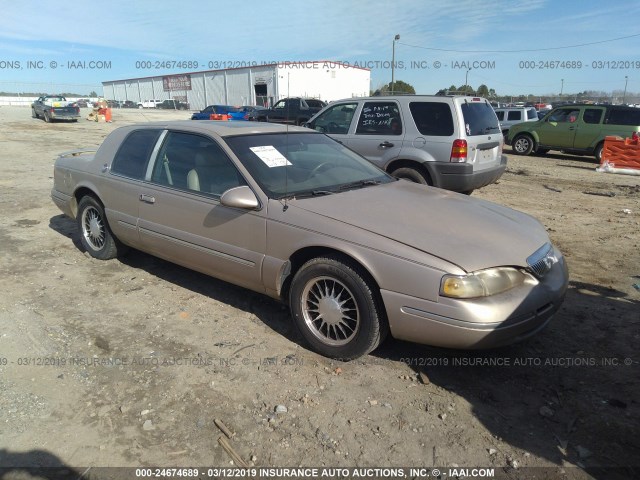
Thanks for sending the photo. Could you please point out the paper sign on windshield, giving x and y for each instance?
(270, 156)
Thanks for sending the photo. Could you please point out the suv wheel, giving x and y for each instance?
(413, 175)
(597, 152)
(522, 144)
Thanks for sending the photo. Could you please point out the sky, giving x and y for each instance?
(535, 47)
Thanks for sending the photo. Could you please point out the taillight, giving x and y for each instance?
(635, 136)
(459, 151)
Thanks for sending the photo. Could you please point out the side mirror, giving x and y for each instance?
(240, 197)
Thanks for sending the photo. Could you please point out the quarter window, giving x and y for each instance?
(379, 118)
(624, 116)
(133, 155)
(432, 118)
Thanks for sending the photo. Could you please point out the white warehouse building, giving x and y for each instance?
(252, 85)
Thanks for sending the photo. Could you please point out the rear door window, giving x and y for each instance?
(133, 155)
(514, 115)
(500, 116)
(479, 118)
(433, 118)
(379, 118)
(532, 113)
(592, 115)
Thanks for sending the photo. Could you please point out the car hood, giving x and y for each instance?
(471, 233)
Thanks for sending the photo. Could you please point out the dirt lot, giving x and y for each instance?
(128, 362)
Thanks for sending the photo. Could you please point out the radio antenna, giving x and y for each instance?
(286, 169)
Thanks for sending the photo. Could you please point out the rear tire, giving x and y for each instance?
(597, 152)
(522, 144)
(413, 175)
(336, 308)
(95, 234)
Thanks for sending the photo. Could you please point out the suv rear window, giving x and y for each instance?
(623, 116)
(432, 118)
(532, 113)
(479, 118)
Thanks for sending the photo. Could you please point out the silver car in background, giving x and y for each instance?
(448, 141)
(295, 215)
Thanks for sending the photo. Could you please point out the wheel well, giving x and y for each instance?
(83, 192)
(396, 164)
(299, 258)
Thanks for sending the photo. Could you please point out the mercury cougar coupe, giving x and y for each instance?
(295, 215)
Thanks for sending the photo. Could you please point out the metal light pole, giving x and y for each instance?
(624, 95)
(393, 61)
(561, 88)
(466, 78)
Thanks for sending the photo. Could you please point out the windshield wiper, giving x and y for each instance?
(359, 184)
(313, 193)
(491, 128)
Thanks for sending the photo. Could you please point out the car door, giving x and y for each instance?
(378, 133)
(124, 177)
(559, 127)
(182, 220)
(590, 127)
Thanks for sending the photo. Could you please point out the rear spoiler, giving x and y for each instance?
(75, 153)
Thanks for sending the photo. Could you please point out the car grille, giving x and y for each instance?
(541, 261)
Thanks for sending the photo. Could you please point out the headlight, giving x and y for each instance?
(482, 283)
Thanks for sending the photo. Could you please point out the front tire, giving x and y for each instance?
(336, 309)
(33, 113)
(522, 144)
(95, 235)
(47, 118)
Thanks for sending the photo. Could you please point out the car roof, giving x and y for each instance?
(223, 128)
(410, 96)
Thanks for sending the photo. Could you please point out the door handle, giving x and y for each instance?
(386, 144)
(147, 198)
(572, 128)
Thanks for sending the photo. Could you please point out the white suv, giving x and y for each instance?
(510, 116)
(448, 141)
(149, 103)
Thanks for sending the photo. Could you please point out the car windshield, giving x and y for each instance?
(297, 164)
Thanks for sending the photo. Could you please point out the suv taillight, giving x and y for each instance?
(459, 151)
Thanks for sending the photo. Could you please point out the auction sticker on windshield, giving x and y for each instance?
(270, 156)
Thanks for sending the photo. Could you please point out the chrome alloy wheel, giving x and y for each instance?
(93, 229)
(330, 311)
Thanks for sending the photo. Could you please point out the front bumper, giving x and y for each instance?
(460, 177)
(478, 323)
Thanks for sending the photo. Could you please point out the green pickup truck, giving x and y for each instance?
(577, 129)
